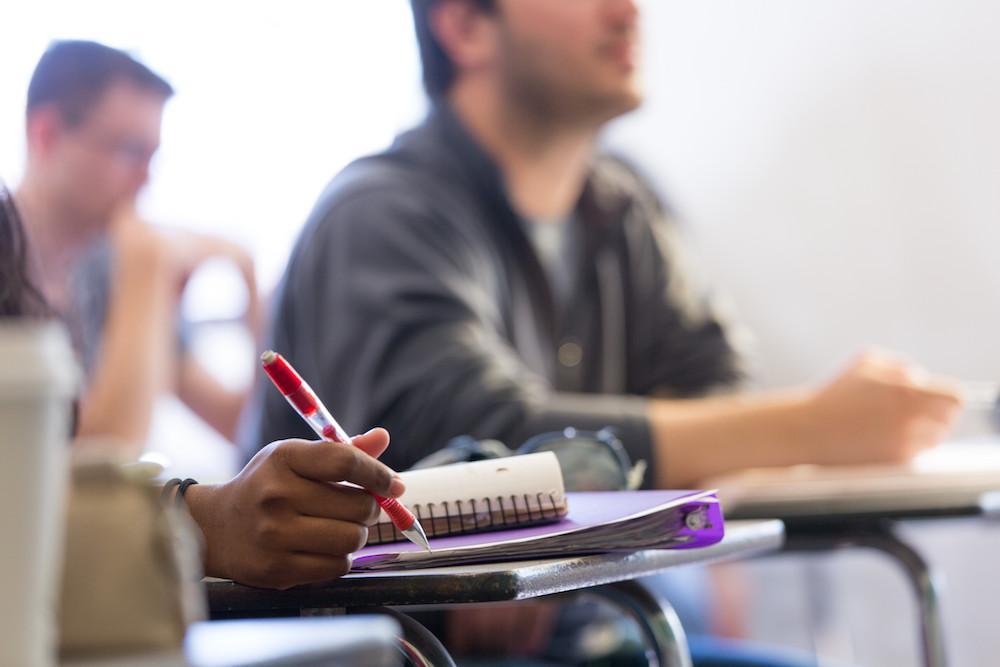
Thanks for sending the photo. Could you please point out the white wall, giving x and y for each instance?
(839, 163)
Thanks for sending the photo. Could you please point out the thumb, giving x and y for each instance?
(373, 443)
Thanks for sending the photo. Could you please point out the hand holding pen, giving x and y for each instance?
(286, 520)
(305, 402)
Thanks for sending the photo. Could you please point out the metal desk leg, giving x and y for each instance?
(417, 642)
(883, 538)
(666, 643)
(920, 575)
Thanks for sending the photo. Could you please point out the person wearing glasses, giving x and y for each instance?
(92, 127)
(286, 519)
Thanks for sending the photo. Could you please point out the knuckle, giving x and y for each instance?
(383, 477)
(358, 537)
(346, 538)
(340, 566)
(371, 509)
(277, 452)
(266, 456)
(268, 532)
(282, 449)
(343, 463)
(357, 506)
(270, 496)
(277, 448)
(352, 464)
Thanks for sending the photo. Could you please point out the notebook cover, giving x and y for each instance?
(605, 515)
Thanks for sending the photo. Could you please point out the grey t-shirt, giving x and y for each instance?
(89, 296)
(553, 243)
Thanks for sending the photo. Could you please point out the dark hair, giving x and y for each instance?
(438, 69)
(73, 74)
(18, 295)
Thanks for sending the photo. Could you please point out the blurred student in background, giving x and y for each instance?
(493, 274)
(93, 126)
(285, 519)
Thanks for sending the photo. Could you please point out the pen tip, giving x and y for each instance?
(268, 356)
(416, 534)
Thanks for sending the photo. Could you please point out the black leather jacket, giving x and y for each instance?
(415, 300)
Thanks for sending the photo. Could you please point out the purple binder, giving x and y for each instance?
(596, 523)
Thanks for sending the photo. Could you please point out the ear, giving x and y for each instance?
(43, 129)
(466, 33)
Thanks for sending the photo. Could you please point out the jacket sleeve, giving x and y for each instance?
(392, 315)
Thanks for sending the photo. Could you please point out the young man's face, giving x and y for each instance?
(571, 57)
(104, 160)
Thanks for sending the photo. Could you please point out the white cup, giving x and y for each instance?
(38, 380)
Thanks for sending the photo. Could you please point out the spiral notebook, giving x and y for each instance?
(602, 522)
(495, 494)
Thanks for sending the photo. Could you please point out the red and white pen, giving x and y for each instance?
(301, 397)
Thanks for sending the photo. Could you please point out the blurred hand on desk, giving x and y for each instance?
(880, 409)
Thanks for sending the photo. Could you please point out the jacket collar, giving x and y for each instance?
(442, 144)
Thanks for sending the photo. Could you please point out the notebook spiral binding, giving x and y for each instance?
(480, 515)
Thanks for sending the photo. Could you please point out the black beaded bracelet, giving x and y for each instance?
(168, 487)
(182, 489)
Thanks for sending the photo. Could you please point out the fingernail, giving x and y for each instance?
(396, 487)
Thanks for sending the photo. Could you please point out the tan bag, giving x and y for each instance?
(132, 568)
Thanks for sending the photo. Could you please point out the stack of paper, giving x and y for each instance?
(596, 523)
